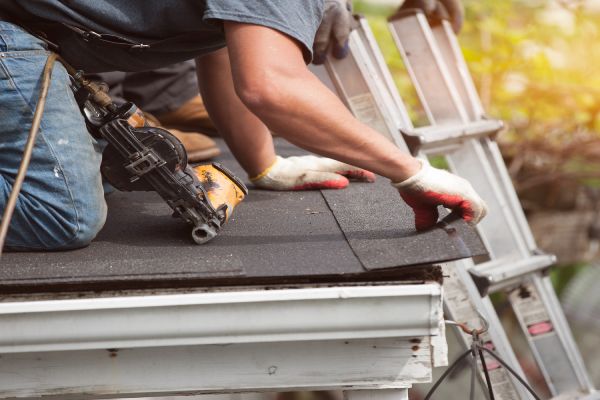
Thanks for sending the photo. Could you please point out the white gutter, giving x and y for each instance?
(260, 316)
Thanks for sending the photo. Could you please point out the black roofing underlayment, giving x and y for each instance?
(360, 233)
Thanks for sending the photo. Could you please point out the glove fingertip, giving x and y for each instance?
(425, 216)
(424, 223)
(425, 220)
(475, 210)
(319, 58)
(336, 183)
(368, 176)
(457, 25)
(481, 214)
(424, 227)
(359, 174)
(341, 51)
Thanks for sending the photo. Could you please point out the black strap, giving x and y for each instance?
(50, 32)
(53, 33)
(106, 39)
(170, 44)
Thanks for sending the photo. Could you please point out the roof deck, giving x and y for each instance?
(362, 233)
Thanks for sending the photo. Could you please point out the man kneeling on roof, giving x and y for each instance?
(251, 61)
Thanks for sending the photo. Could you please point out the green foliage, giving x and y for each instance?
(534, 63)
(560, 277)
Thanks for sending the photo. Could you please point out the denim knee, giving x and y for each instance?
(61, 204)
(40, 225)
(88, 225)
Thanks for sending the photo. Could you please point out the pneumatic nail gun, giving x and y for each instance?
(139, 157)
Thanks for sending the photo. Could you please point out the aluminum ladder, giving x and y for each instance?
(459, 131)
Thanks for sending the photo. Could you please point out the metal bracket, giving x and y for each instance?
(143, 164)
(437, 138)
(495, 275)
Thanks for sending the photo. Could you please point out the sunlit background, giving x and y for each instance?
(536, 65)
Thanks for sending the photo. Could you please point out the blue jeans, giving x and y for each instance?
(61, 205)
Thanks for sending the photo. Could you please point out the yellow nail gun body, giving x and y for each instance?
(141, 157)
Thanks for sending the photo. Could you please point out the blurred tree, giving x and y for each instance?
(535, 65)
(534, 61)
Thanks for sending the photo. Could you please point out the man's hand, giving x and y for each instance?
(432, 187)
(437, 10)
(309, 172)
(334, 30)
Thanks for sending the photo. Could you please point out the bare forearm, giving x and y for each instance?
(312, 117)
(272, 80)
(246, 136)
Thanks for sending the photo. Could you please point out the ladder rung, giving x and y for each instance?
(435, 136)
(591, 396)
(496, 275)
(577, 396)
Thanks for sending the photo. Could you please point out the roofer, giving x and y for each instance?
(251, 65)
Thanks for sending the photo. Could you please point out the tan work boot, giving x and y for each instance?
(198, 147)
(192, 116)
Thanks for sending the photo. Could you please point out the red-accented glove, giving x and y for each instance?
(432, 187)
(309, 172)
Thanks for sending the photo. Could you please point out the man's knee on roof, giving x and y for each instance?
(89, 225)
(43, 225)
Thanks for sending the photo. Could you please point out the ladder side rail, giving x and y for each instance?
(452, 53)
(491, 147)
(560, 364)
(462, 301)
(363, 92)
(436, 74)
(364, 107)
(500, 230)
(378, 60)
(321, 73)
(546, 290)
(418, 49)
(450, 50)
(378, 85)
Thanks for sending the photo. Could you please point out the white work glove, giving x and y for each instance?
(334, 30)
(309, 172)
(437, 10)
(432, 187)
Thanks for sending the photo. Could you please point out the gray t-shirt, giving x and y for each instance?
(175, 29)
